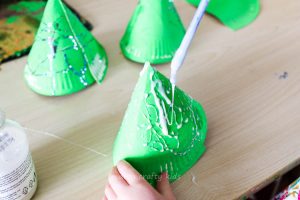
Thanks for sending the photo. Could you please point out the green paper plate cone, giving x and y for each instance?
(154, 137)
(234, 14)
(65, 57)
(154, 32)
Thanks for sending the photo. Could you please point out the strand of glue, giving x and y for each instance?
(64, 140)
(180, 54)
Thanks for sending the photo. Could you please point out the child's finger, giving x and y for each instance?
(116, 181)
(129, 173)
(109, 193)
(164, 187)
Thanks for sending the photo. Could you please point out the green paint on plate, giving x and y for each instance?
(235, 14)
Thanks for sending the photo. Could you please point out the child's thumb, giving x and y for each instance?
(164, 187)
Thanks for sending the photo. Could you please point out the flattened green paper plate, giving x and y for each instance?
(235, 14)
(154, 32)
(65, 57)
(156, 137)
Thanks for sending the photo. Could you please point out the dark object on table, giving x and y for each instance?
(277, 186)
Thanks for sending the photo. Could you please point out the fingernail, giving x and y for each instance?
(113, 171)
(123, 162)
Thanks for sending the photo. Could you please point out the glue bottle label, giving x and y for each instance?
(20, 183)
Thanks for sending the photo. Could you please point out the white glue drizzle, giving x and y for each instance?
(161, 90)
(51, 56)
(173, 94)
(162, 115)
(95, 73)
(194, 179)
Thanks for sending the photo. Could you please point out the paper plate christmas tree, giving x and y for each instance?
(232, 13)
(154, 32)
(159, 134)
(65, 57)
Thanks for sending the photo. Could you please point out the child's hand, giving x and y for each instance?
(125, 183)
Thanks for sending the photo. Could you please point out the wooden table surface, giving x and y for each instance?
(253, 110)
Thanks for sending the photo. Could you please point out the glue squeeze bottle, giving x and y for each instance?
(18, 180)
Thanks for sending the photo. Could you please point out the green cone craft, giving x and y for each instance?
(155, 136)
(234, 14)
(154, 32)
(65, 57)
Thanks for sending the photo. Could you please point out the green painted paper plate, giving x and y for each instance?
(232, 13)
(155, 136)
(65, 58)
(154, 32)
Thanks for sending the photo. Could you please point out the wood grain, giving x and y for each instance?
(253, 113)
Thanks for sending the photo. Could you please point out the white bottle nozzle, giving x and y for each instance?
(2, 118)
(187, 39)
